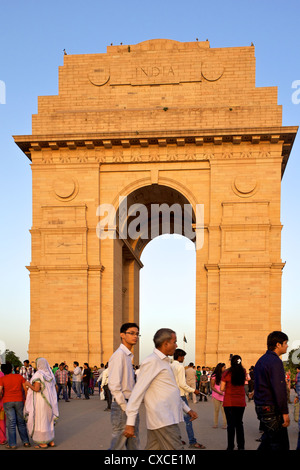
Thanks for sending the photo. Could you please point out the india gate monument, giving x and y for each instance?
(160, 124)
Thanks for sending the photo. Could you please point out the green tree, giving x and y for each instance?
(10, 356)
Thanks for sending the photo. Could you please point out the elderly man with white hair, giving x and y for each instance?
(157, 386)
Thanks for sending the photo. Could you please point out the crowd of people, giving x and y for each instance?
(29, 398)
(163, 387)
(29, 395)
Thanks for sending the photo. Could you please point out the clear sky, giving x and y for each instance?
(33, 35)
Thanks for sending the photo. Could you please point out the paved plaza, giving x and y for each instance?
(84, 425)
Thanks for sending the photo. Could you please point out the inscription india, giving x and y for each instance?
(157, 73)
(154, 71)
(164, 74)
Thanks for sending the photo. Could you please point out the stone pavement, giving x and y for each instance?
(84, 425)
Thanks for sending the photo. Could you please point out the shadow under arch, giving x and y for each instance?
(152, 210)
(163, 181)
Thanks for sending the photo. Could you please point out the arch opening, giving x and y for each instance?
(152, 211)
(156, 224)
(168, 292)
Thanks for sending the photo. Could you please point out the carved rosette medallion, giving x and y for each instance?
(65, 188)
(100, 76)
(245, 185)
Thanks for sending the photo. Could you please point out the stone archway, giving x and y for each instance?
(150, 211)
(161, 113)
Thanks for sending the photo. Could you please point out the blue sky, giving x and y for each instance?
(33, 35)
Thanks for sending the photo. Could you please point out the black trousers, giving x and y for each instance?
(275, 436)
(235, 426)
(108, 396)
(86, 390)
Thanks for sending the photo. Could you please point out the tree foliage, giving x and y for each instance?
(10, 356)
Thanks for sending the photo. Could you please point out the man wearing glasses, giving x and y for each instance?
(121, 381)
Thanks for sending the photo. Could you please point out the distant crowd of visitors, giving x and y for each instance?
(29, 395)
(29, 398)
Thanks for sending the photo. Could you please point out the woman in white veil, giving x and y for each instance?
(41, 408)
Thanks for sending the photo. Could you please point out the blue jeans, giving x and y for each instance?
(14, 420)
(62, 387)
(118, 422)
(76, 386)
(189, 425)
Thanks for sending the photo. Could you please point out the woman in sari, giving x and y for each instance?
(41, 408)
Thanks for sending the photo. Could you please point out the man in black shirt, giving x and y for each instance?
(270, 394)
(86, 380)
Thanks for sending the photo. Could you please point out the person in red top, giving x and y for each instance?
(232, 384)
(12, 391)
(3, 439)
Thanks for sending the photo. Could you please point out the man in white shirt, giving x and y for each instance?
(121, 381)
(104, 386)
(184, 388)
(157, 386)
(76, 379)
(190, 375)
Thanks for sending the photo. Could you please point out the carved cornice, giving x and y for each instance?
(34, 269)
(175, 140)
(216, 267)
(99, 268)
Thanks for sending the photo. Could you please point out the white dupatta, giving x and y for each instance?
(45, 376)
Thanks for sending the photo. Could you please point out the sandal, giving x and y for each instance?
(52, 444)
(27, 444)
(197, 446)
(41, 446)
(10, 447)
